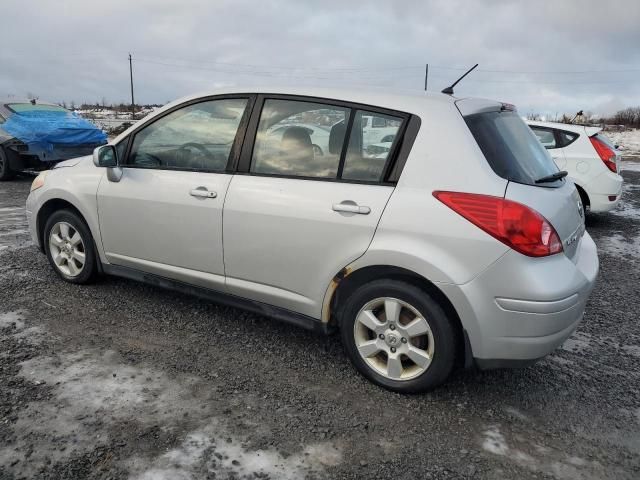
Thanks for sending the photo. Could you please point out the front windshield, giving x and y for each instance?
(30, 107)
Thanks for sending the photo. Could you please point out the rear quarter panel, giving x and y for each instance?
(418, 232)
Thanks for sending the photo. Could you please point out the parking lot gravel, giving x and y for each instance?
(121, 380)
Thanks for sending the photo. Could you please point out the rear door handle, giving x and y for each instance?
(202, 192)
(351, 207)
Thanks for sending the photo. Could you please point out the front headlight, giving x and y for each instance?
(39, 180)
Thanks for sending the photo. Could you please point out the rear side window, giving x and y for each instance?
(566, 138)
(510, 147)
(545, 136)
(370, 147)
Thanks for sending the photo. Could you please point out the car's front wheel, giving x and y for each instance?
(69, 247)
(6, 173)
(398, 337)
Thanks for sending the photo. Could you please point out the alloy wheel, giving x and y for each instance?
(67, 249)
(394, 338)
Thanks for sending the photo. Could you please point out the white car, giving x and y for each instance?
(592, 161)
(458, 244)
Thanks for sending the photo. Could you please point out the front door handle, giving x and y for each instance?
(202, 192)
(351, 207)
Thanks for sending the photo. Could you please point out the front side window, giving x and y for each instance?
(545, 136)
(370, 147)
(302, 139)
(196, 137)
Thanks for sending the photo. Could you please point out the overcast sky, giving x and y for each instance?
(543, 56)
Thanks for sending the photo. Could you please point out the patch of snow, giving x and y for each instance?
(620, 246)
(91, 385)
(12, 319)
(578, 342)
(207, 449)
(494, 442)
(629, 166)
(629, 140)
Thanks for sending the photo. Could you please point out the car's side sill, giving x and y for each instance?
(267, 310)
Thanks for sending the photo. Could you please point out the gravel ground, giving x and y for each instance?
(121, 380)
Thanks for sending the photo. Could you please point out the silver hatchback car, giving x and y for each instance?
(460, 243)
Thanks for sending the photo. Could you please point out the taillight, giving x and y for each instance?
(605, 153)
(514, 224)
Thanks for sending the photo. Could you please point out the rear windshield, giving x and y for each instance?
(29, 107)
(604, 139)
(511, 148)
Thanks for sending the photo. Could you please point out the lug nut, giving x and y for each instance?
(404, 340)
(393, 349)
(392, 326)
(381, 336)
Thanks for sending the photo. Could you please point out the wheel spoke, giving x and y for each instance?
(417, 327)
(56, 240)
(73, 269)
(369, 349)
(79, 256)
(64, 231)
(394, 367)
(369, 320)
(392, 310)
(419, 357)
(58, 259)
(76, 239)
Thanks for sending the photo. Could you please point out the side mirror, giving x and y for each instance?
(105, 156)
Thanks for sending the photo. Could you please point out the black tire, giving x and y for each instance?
(443, 330)
(89, 270)
(6, 173)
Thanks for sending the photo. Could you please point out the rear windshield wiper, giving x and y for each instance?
(553, 177)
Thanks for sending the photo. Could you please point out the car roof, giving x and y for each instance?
(380, 97)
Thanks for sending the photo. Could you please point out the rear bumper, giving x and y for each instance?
(601, 188)
(521, 309)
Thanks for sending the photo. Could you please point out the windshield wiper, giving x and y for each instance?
(553, 177)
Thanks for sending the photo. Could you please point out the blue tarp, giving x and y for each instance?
(44, 130)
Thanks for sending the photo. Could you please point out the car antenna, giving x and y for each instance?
(449, 90)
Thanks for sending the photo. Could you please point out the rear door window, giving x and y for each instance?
(545, 136)
(299, 139)
(511, 148)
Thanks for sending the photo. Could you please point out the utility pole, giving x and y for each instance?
(133, 103)
(426, 76)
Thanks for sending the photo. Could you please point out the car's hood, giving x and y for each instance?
(72, 162)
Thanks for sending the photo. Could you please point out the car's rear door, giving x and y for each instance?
(294, 217)
(164, 215)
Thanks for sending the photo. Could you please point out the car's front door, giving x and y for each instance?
(296, 216)
(164, 215)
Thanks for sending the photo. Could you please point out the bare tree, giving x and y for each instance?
(533, 116)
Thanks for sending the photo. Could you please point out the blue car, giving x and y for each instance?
(36, 135)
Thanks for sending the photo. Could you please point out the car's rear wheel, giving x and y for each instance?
(69, 246)
(398, 337)
(6, 173)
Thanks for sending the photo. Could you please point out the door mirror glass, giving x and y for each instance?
(105, 156)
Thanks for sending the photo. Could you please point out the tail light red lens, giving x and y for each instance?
(513, 223)
(607, 155)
